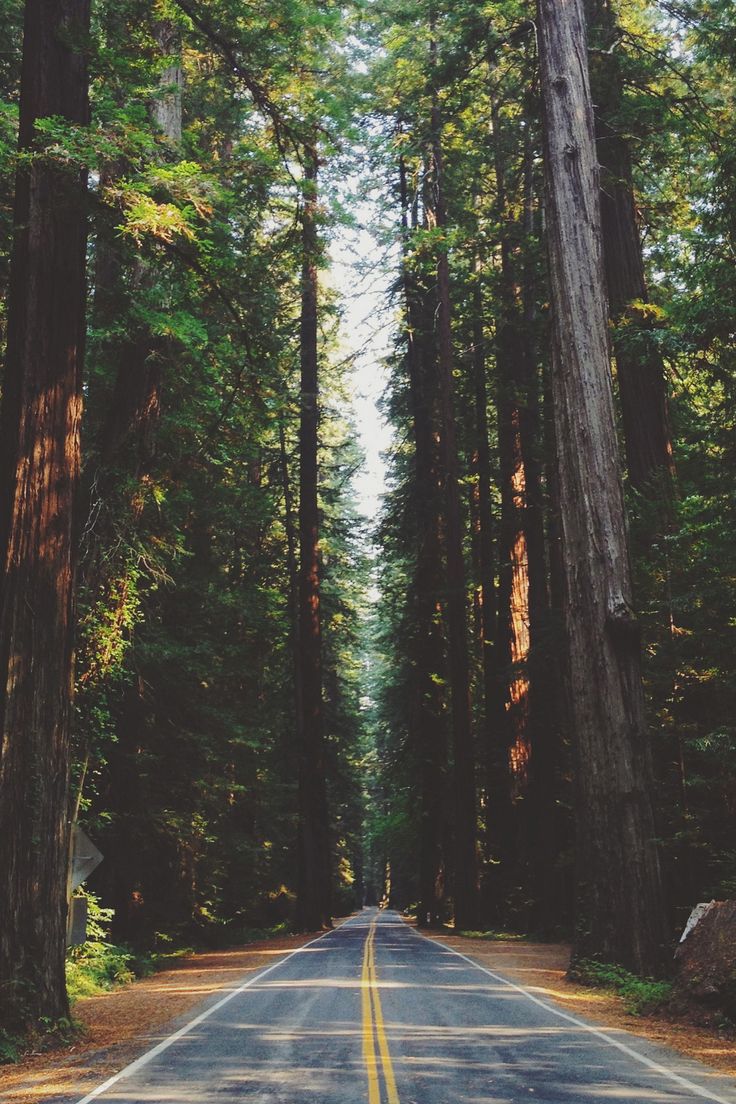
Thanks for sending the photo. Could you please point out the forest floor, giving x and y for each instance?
(117, 1026)
(542, 968)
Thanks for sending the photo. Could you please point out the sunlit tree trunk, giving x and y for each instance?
(167, 106)
(620, 913)
(542, 842)
(523, 607)
(313, 878)
(39, 473)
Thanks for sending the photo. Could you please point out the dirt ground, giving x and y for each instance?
(119, 1025)
(541, 967)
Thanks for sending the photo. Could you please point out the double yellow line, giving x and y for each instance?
(374, 1030)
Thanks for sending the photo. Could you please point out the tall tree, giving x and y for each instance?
(427, 730)
(620, 911)
(465, 866)
(523, 600)
(313, 885)
(642, 381)
(514, 372)
(498, 782)
(39, 472)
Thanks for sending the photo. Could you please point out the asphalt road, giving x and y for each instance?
(373, 1013)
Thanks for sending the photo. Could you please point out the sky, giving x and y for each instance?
(362, 281)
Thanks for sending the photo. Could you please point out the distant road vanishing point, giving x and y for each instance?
(373, 1013)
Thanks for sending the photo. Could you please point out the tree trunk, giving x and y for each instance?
(167, 107)
(642, 381)
(465, 867)
(427, 647)
(498, 810)
(553, 830)
(620, 913)
(313, 881)
(292, 569)
(39, 474)
(523, 606)
(542, 828)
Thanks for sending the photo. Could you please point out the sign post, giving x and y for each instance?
(85, 858)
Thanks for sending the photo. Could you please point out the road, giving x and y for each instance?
(374, 1013)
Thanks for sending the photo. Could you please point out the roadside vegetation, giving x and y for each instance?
(641, 996)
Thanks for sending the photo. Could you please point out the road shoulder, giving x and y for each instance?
(120, 1025)
(541, 968)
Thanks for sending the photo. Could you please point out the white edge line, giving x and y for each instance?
(629, 1051)
(144, 1059)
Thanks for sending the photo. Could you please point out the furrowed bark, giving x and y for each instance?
(620, 912)
(39, 476)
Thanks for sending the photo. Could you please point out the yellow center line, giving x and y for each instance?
(369, 1048)
(388, 1069)
(373, 1013)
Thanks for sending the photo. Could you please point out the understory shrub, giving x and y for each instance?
(643, 996)
(98, 965)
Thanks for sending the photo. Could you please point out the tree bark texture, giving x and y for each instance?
(642, 380)
(313, 878)
(465, 866)
(39, 473)
(620, 913)
(167, 108)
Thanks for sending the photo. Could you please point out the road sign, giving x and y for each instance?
(85, 857)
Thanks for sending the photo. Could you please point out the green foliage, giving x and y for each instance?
(642, 996)
(46, 1035)
(97, 965)
(9, 1048)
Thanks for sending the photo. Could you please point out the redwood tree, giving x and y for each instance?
(313, 884)
(427, 642)
(642, 381)
(465, 869)
(620, 913)
(39, 472)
